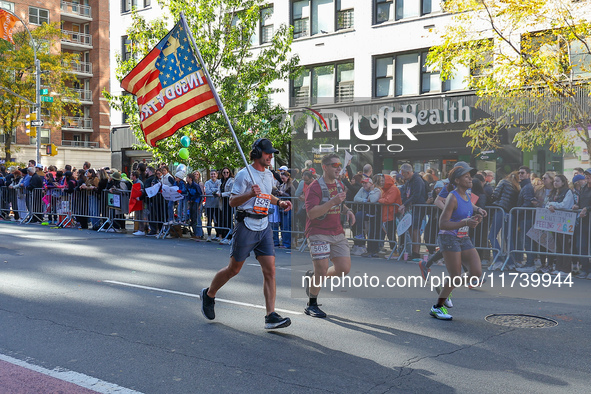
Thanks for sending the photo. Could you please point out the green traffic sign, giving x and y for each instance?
(44, 91)
(47, 99)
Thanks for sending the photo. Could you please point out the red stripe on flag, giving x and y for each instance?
(138, 69)
(179, 108)
(186, 121)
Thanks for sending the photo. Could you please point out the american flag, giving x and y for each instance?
(171, 88)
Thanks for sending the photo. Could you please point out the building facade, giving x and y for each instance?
(368, 57)
(122, 138)
(84, 136)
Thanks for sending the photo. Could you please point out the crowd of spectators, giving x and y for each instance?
(379, 201)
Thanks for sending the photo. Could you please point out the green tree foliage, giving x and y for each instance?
(17, 73)
(530, 63)
(242, 75)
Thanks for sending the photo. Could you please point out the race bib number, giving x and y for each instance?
(262, 202)
(463, 231)
(320, 250)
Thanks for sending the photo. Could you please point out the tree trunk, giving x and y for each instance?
(7, 144)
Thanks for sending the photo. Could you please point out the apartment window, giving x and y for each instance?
(327, 83)
(345, 14)
(37, 16)
(127, 5)
(147, 3)
(3, 136)
(263, 32)
(125, 48)
(390, 10)
(43, 134)
(430, 76)
(580, 59)
(7, 5)
(312, 17)
(408, 74)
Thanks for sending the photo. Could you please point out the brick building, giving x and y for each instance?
(82, 137)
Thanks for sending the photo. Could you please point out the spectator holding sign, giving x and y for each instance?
(561, 197)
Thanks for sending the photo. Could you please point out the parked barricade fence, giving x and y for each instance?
(424, 229)
(566, 241)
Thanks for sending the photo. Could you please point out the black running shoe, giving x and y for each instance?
(308, 274)
(274, 320)
(207, 305)
(314, 311)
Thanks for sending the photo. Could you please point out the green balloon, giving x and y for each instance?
(184, 153)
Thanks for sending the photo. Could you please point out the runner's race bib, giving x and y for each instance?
(319, 250)
(262, 202)
(463, 231)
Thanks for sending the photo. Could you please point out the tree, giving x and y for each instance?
(17, 73)
(530, 64)
(242, 76)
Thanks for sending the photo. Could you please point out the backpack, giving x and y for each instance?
(326, 193)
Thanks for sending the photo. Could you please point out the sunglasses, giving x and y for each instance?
(336, 165)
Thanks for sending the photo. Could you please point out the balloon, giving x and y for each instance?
(184, 153)
(181, 167)
(185, 141)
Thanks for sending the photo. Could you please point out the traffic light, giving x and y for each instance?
(31, 130)
(51, 150)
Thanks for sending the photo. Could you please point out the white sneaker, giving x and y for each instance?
(111, 230)
(208, 238)
(139, 233)
(225, 242)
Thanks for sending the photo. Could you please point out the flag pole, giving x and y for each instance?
(216, 96)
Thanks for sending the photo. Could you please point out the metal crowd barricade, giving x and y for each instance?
(13, 200)
(525, 239)
(426, 217)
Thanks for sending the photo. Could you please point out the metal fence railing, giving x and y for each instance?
(377, 230)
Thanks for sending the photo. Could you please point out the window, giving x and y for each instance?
(43, 135)
(37, 16)
(263, 32)
(3, 137)
(558, 56)
(430, 78)
(125, 48)
(7, 5)
(390, 10)
(408, 74)
(147, 3)
(345, 14)
(312, 17)
(127, 5)
(327, 83)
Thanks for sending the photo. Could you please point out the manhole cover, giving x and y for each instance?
(520, 321)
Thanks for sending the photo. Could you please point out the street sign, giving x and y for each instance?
(37, 123)
(47, 99)
(44, 91)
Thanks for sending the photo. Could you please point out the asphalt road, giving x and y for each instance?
(125, 310)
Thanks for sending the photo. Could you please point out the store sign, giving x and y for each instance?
(391, 120)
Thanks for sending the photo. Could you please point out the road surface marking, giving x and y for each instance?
(60, 374)
(197, 296)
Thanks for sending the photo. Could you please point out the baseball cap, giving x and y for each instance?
(578, 177)
(266, 146)
(39, 166)
(587, 171)
(438, 184)
(283, 168)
